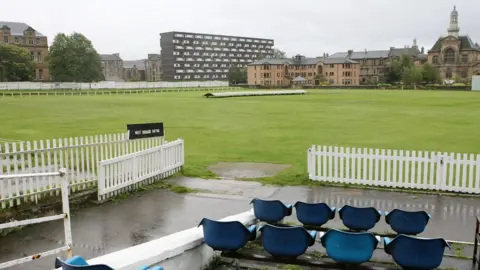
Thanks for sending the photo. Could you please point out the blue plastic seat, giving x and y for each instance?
(270, 211)
(286, 241)
(358, 218)
(79, 263)
(405, 222)
(349, 247)
(226, 235)
(314, 214)
(416, 253)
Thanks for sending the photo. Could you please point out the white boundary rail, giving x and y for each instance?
(107, 85)
(79, 155)
(395, 168)
(127, 172)
(65, 216)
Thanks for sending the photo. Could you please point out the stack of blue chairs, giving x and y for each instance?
(347, 247)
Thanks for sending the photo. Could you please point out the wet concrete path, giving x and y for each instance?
(116, 225)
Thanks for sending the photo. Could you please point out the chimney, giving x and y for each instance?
(350, 53)
(391, 48)
(117, 54)
(329, 54)
(423, 50)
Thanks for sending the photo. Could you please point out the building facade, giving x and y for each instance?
(112, 67)
(303, 71)
(23, 35)
(195, 56)
(153, 68)
(134, 70)
(374, 64)
(454, 55)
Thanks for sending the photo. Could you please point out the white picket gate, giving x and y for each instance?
(395, 168)
(79, 155)
(124, 173)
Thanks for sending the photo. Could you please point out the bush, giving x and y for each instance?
(459, 84)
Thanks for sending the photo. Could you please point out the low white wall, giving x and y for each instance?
(476, 83)
(181, 250)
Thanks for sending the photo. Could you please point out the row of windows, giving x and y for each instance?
(188, 77)
(216, 54)
(213, 43)
(223, 38)
(36, 57)
(449, 58)
(225, 60)
(179, 47)
(292, 74)
(201, 71)
(210, 65)
(18, 40)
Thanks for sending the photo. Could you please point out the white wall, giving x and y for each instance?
(476, 83)
(108, 85)
(180, 251)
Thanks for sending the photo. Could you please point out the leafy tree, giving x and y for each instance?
(73, 59)
(412, 75)
(237, 75)
(396, 68)
(430, 74)
(457, 79)
(15, 63)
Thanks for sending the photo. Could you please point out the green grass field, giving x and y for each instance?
(275, 129)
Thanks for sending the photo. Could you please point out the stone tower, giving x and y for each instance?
(454, 30)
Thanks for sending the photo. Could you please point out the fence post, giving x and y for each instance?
(66, 210)
(310, 162)
(101, 180)
(441, 170)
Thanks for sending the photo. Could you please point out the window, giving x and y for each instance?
(189, 36)
(196, 53)
(435, 59)
(32, 56)
(197, 76)
(465, 58)
(187, 77)
(176, 65)
(463, 74)
(39, 57)
(178, 35)
(187, 65)
(347, 66)
(448, 73)
(176, 53)
(278, 74)
(5, 39)
(332, 66)
(332, 74)
(177, 77)
(199, 36)
(449, 56)
(40, 74)
(186, 53)
(17, 40)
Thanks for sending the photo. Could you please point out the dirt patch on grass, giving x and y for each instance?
(246, 169)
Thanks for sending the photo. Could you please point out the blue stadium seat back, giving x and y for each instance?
(78, 263)
(416, 253)
(349, 247)
(314, 214)
(407, 222)
(286, 241)
(359, 218)
(226, 235)
(270, 211)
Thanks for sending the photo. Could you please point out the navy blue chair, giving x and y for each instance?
(79, 263)
(405, 222)
(314, 214)
(358, 218)
(416, 253)
(270, 211)
(349, 247)
(286, 241)
(226, 235)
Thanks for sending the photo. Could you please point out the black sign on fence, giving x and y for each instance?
(148, 130)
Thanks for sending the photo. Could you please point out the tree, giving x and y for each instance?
(412, 75)
(73, 59)
(15, 63)
(396, 68)
(430, 74)
(237, 75)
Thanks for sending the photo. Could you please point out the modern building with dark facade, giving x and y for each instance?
(195, 56)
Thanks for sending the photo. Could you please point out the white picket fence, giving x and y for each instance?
(108, 85)
(395, 168)
(79, 155)
(124, 173)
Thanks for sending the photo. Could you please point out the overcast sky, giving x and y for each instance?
(308, 27)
